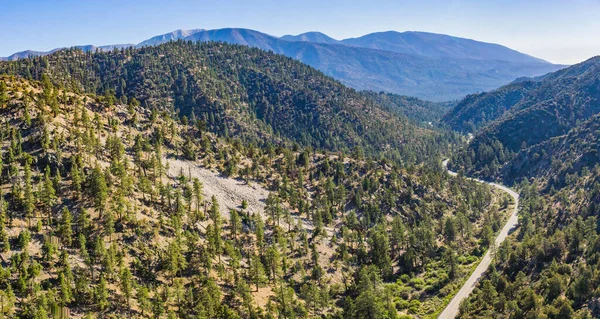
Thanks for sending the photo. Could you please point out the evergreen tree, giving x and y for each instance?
(97, 188)
(28, 199)
(257, 271)
(3, 93)
(65, 229)
(126, 285)
(101, 293)
(48, 193)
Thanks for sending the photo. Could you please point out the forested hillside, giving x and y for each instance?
(237, 90)
(477, 110)
(419, 111)
(551, 269)
(104, 213)
(561, 101)
(558, 162)
(546, 144)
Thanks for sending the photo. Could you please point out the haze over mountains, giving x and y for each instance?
(429, 66)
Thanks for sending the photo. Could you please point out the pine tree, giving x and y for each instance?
(48, 193)
(84, 222)
(97, 188)
(4, 239)
(28, 199)
(7, 301)
(65, 228)
(273, 208)
(3, 93)
(380, 251)
(126, 284)
(215, 234)
(197, 186)
(215, 213)
(273, 260)
(66, 295)
(257, 271)
(175, 259)
(158, 303)
(235, 223)
(143, 299)
(76, 179)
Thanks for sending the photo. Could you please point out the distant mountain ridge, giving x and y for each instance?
(438, 46)
(315, 37)
(171, 36)
(429, 66)
(85, 48)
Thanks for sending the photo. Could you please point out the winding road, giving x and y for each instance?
(452, 309)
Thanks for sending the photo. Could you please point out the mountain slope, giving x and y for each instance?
(241, 90)
(439, 46)
(314, 37)
(433, 78)
(558, 161)
(548, 270)
(419, 111)
(476, 110)
(552, 107)
(437, 77)
(126, 210)
(433, 69)
(171, 36)
(550, 267)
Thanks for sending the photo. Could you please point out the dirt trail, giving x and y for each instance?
(452, 309)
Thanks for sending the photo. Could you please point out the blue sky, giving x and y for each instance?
(561, 31)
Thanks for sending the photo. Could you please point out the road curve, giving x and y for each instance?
(452, 309)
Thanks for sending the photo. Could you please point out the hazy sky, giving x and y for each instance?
(560, 31)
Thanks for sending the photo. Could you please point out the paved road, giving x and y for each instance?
(452, 309)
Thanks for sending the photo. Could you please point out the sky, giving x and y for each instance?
(560, 31)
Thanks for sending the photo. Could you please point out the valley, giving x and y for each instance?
(543, 143)
(120, 206)
(452, 308)
(353, 173)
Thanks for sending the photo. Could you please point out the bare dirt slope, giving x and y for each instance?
(229, 192)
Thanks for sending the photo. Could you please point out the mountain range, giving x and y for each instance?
(213, 174)
(244, 181)
(430, 66)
